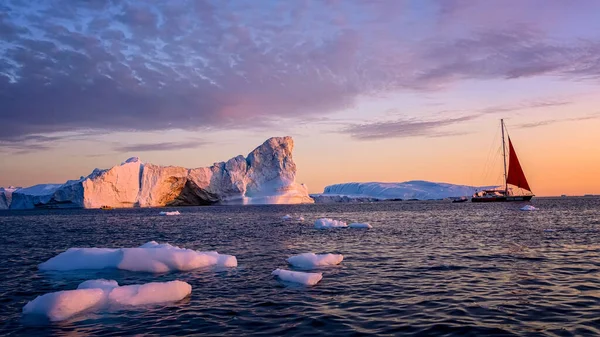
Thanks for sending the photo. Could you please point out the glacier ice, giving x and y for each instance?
(266, 176)
(309, 279)
(325, 223)
(373, 191)
(98, 295)
(150, 257)
(312, 260)
(6, 196)
(359, 225)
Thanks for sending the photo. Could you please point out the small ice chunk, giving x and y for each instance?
(309, 279)
(300, 218)
(286, 217)
(61, 305)
(150, 257)
(98, 284)
(548, 230)
(528, 208)
(169, 213)
(360, 225)
(325, 223)
(312, 260)
(97, 295)
(150, 293)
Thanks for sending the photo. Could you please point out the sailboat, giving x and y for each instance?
(513, 177)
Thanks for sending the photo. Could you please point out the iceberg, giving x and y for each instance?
(266, 176)
(170, 213)
(312, 260)
(374, 191)
(150, 257)
(309, 279)
(286, 217)
(360, 225)
(527, 208)
(98, 295)
(325, 223)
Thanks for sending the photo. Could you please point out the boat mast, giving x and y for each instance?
(504, 156)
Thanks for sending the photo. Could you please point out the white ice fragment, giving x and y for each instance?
(286, 217)
(98, 295)
(150, 293)
(300, 218)
(360, 225)
(150, 257)
(61, 305)
(528, 208)
(325, 223)
(309, 279)
(312, 260)
(169, 213)
(98, 284)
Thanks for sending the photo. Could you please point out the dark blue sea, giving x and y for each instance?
(425, 269)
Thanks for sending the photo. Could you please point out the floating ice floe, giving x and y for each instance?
(312, 260)
(325, 223)
(170, 213)
(548, 230)
(300, 218)
(150, 257)
(309, 279)
(286, 217)
(528, 208)
(99, 295)
(360, 225)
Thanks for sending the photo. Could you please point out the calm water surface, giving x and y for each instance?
(426, 268)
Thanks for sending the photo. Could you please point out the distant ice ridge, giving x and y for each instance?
(325, 223)
(309, 279)
(373, 191)
(312, 260)
(266, 176)
(170, 213)
(100, 295)
(151, 257)
(6, 196)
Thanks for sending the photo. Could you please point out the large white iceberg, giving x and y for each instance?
(326, 223)
(98, 295)
(312, 260)
(150, 257)
(416, 189)
(309, 279)
(266, 176)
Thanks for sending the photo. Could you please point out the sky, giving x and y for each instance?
(379, 90)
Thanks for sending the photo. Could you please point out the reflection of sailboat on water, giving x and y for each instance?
(514, 176)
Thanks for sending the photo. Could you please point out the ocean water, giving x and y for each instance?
(426, 268)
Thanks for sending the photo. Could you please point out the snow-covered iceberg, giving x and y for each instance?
(99, 295)
(312, 260)
(325, 223)
(360, 225)
(151, 257)
(266, 176)
(373, 191)
(309, 279)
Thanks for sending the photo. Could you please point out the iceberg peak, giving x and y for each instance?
(131, 160)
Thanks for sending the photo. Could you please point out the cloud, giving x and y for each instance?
(555, 121)
(146, 66)
(526, 105)
(405, 128)
(161, 146)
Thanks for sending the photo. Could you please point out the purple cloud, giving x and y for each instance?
(145, 66)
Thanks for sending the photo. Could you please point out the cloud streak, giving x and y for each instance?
(405, 128)
(555, 121)
(161, 146)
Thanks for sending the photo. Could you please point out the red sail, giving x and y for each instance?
(515, 176)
